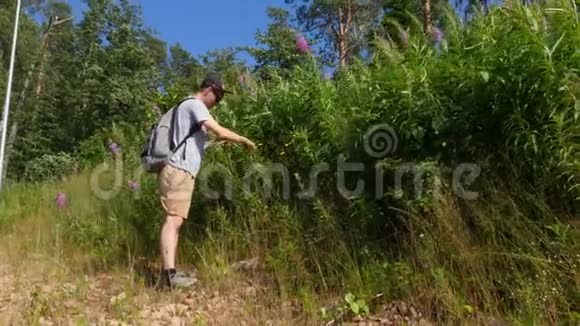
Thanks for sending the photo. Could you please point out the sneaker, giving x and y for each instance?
(178, 280)
(181, 280)
(186, 274)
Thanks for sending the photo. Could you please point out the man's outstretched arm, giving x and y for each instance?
(225, 134)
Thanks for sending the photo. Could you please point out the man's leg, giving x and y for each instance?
(169, 240)
(176, 190)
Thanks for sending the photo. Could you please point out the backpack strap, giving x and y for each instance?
(196, 127)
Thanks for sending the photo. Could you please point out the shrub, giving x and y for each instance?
(50, 167)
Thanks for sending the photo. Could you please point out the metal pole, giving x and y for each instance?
(8, 91)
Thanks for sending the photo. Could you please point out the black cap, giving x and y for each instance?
(214, 81)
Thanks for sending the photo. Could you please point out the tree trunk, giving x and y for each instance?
(340, 39)
(342, 50)
(43, 55)
(52, 22)
(344, 25)
(427, 17)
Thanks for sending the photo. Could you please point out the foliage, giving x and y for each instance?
(357, 306)
(50, 167)
(344, 26)
(279, 50)
(96, 73)
(183, 68)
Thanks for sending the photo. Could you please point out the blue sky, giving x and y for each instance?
(201, 26)
(204, 25)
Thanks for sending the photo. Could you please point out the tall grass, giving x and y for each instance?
(501, 93)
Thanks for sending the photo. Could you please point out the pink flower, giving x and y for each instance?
(61, 200)
(114, 148)
(133, 185)
(302, 44)
(438, 34)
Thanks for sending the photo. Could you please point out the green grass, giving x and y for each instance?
(507, 255)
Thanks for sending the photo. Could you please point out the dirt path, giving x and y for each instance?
(41, 291)
(34, 294)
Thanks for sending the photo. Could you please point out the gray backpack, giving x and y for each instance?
(160, 144)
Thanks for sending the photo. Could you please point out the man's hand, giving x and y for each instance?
(225, 134)
(249, 144)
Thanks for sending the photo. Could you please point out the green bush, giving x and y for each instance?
(50, 167)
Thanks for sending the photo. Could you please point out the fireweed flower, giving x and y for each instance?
(133, 185)
(114, 148)
(301, 44)
(438, 34)
(61, 200)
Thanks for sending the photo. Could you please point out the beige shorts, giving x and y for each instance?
(176, 187)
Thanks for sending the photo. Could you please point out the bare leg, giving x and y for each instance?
(169, 238)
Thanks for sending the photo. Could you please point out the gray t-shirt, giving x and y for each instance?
(188, 157)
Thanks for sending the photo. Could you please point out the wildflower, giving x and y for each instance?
(302, 44)
(438, 34)
(133, 185)
(421, 235)
(61, 200)
(114, 148)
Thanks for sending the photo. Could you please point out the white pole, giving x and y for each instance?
(8, 91)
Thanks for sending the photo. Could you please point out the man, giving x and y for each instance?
(177, 178)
